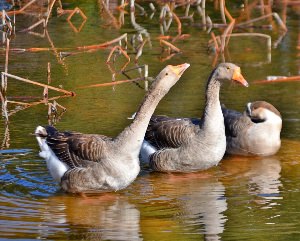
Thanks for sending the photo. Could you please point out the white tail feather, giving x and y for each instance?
(56, 168)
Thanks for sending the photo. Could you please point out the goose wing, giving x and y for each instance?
(166, 132)
(74, 148)
(235, 122)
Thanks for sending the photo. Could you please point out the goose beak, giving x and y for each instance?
(179, 69)
(237, 76)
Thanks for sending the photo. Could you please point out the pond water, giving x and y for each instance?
(240, 199)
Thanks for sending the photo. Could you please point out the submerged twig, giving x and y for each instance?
(49, 12)
(39, 84)
(103, 45)
(140, 50)
(226, 35)
(114, 22)
(222, 10)
(42, 21)
(4, 80)
(261, 35)
(53, 114)
(282, 79)
(6, 137)
(28, 105)
(171, 46)
(215, 41)
(112, 83)
(121, 50)
(54, 49)
(4, 105)
(179, 26)
(77, 10)
(275, 15)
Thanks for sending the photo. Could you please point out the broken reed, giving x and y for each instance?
(70, 93)
(283, 79)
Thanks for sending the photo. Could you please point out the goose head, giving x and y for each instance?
(229, 71)
(169, 76)
(262, 111)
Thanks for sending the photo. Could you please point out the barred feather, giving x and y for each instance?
(235, 122)
(166, 132)
(75, 149)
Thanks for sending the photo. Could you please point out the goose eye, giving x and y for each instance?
(167, 73)
(228, 68)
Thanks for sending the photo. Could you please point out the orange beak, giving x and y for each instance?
(238, 77)
(179, 69)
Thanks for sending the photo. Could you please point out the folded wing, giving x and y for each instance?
(76, 149)
(235, 122)
(166, 132)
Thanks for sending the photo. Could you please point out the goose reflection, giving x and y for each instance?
(262, 176)
(196, 202)
(205, 204)
(106, 217)
(265, 180)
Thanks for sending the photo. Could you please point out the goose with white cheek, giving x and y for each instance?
(179, 145)
(255, 132)
(96, 163)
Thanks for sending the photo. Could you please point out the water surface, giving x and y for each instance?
(240, 199)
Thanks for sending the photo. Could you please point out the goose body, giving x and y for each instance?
(254, 132)
(179, 144)
(91, 162)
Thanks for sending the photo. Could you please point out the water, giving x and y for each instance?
(240, 199)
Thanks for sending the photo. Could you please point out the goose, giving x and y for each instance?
(256, 132)
(83, 163)
(178, 144)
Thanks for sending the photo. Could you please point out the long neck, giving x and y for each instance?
(132, 137)
(212, 113)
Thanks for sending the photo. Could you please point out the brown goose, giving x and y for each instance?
(178, 145)
(91, 162)
(255, 132)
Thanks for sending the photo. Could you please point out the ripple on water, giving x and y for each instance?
(23, 174)
(31, 207)
(24, 181)
(15, 151)
(173, 205)
(22, 217)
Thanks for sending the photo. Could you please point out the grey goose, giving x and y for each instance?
(96, 163)
(256, 132)
(178, 144)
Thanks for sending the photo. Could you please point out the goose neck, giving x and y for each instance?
(212, 114)
(131, 137)
(212, 95)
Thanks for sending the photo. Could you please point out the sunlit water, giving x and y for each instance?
(240, 199)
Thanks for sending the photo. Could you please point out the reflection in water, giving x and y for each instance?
(20, 180)
(106, 217)
(27, 211)
(205, 205)
(6, 137)
(262, 176)
(154, 207)
(20, 219)
(264, 180)
(196, 201)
